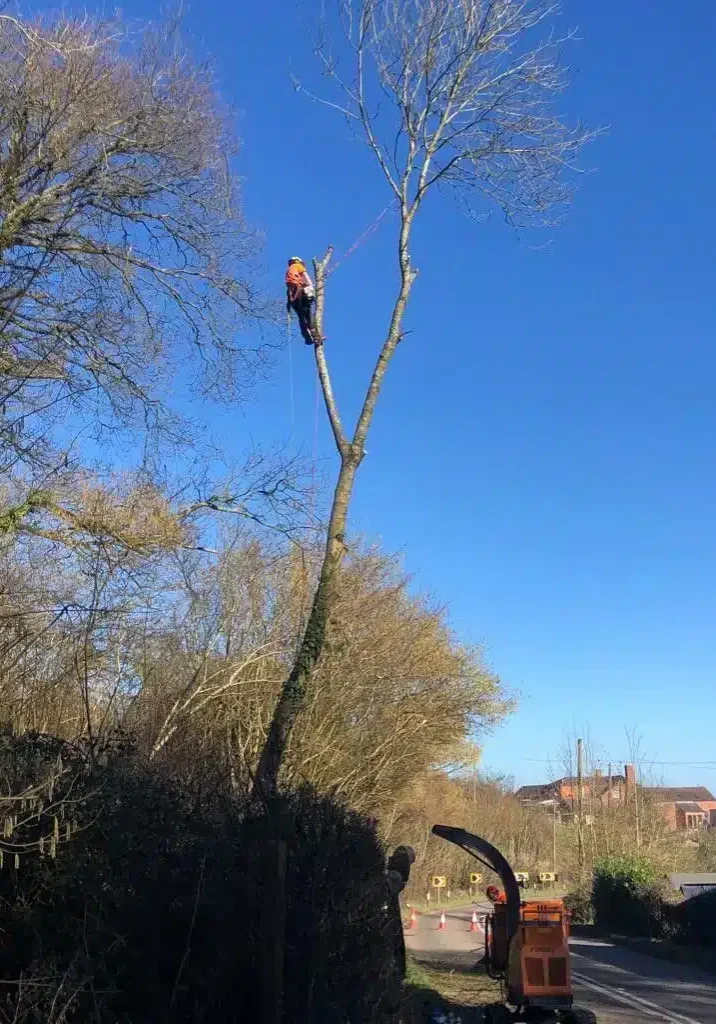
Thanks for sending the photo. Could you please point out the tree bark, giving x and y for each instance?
(295, 689)
(293, 694)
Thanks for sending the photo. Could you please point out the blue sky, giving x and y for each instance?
(543, 454)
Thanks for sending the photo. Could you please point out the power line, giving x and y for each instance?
(629, 760)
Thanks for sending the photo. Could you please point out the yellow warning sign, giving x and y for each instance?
(439, 881)
(475, 878)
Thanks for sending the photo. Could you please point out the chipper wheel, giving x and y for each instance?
(498, 1013)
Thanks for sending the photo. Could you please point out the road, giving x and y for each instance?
(616, 984)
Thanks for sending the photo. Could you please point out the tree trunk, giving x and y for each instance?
(295, 689)
(293, 694)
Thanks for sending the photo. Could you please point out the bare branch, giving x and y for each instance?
(471, 92)
(123, 253)
(320, 267)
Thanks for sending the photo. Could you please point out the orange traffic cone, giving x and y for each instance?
(473, 922)
(443, 923)
(413, 918)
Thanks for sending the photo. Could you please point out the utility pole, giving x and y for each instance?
(580, 805)
(608, 816)
(554, 839)
(636, 813)
(609, 788)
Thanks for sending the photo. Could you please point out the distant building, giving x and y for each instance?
(685, 808)
(607, 789)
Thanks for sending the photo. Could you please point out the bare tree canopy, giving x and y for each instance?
(471, 92)
(122, 248)
(471, 87)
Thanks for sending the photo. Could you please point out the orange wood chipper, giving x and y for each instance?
(526, 944)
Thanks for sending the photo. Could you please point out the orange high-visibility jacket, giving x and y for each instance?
(297, 278)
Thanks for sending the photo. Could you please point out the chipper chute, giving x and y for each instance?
(526, 944)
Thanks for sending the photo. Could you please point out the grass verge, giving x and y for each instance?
(461, 898)
(458, 899)
(458, 993)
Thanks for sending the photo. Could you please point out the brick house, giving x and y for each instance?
(686, 808)
(606, 789)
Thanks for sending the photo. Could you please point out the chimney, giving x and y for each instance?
(630, 777)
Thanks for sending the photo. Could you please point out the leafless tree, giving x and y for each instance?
(123, 252)
(471, 94)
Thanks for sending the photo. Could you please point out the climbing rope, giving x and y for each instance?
(290, 376)
(292, 404)
(371, 229)
(314, 456)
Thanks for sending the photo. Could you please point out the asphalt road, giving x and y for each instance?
(616, 984)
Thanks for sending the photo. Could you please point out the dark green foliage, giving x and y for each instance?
(579, 904)
(694, 920)
(152, 911)
(624, 896)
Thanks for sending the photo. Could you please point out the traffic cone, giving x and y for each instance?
(413, 918)
(473, 922)
(443, 923)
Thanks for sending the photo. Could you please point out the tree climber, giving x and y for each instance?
(300, 296)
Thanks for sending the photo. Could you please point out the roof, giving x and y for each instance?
(695, 878)
(689, 807)
(675, 794)
(543, 792)
(689, 891)
(547, 790)
(572, 780)
(694, 884)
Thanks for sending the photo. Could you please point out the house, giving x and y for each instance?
(685, 808)
(607, 789)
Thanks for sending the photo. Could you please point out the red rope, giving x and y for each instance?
(373, 227)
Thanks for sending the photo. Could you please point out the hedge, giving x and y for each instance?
(139, 898)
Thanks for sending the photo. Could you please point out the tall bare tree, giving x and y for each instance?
(471, 105)
(123, 252)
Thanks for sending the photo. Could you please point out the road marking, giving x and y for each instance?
(620, 995)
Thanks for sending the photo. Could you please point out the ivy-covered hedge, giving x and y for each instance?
(138, 898)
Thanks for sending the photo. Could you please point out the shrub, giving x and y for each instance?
(152, 908)
(626, 896)
(579, 904)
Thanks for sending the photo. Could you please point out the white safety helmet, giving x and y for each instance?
(295, 259)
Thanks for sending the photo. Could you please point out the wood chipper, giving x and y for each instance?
(526, 944)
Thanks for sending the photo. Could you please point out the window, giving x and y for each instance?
(695, 820)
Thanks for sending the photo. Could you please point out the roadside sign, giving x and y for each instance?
(439, 881)
(547, 876)
(475, 878)
(522, 877)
